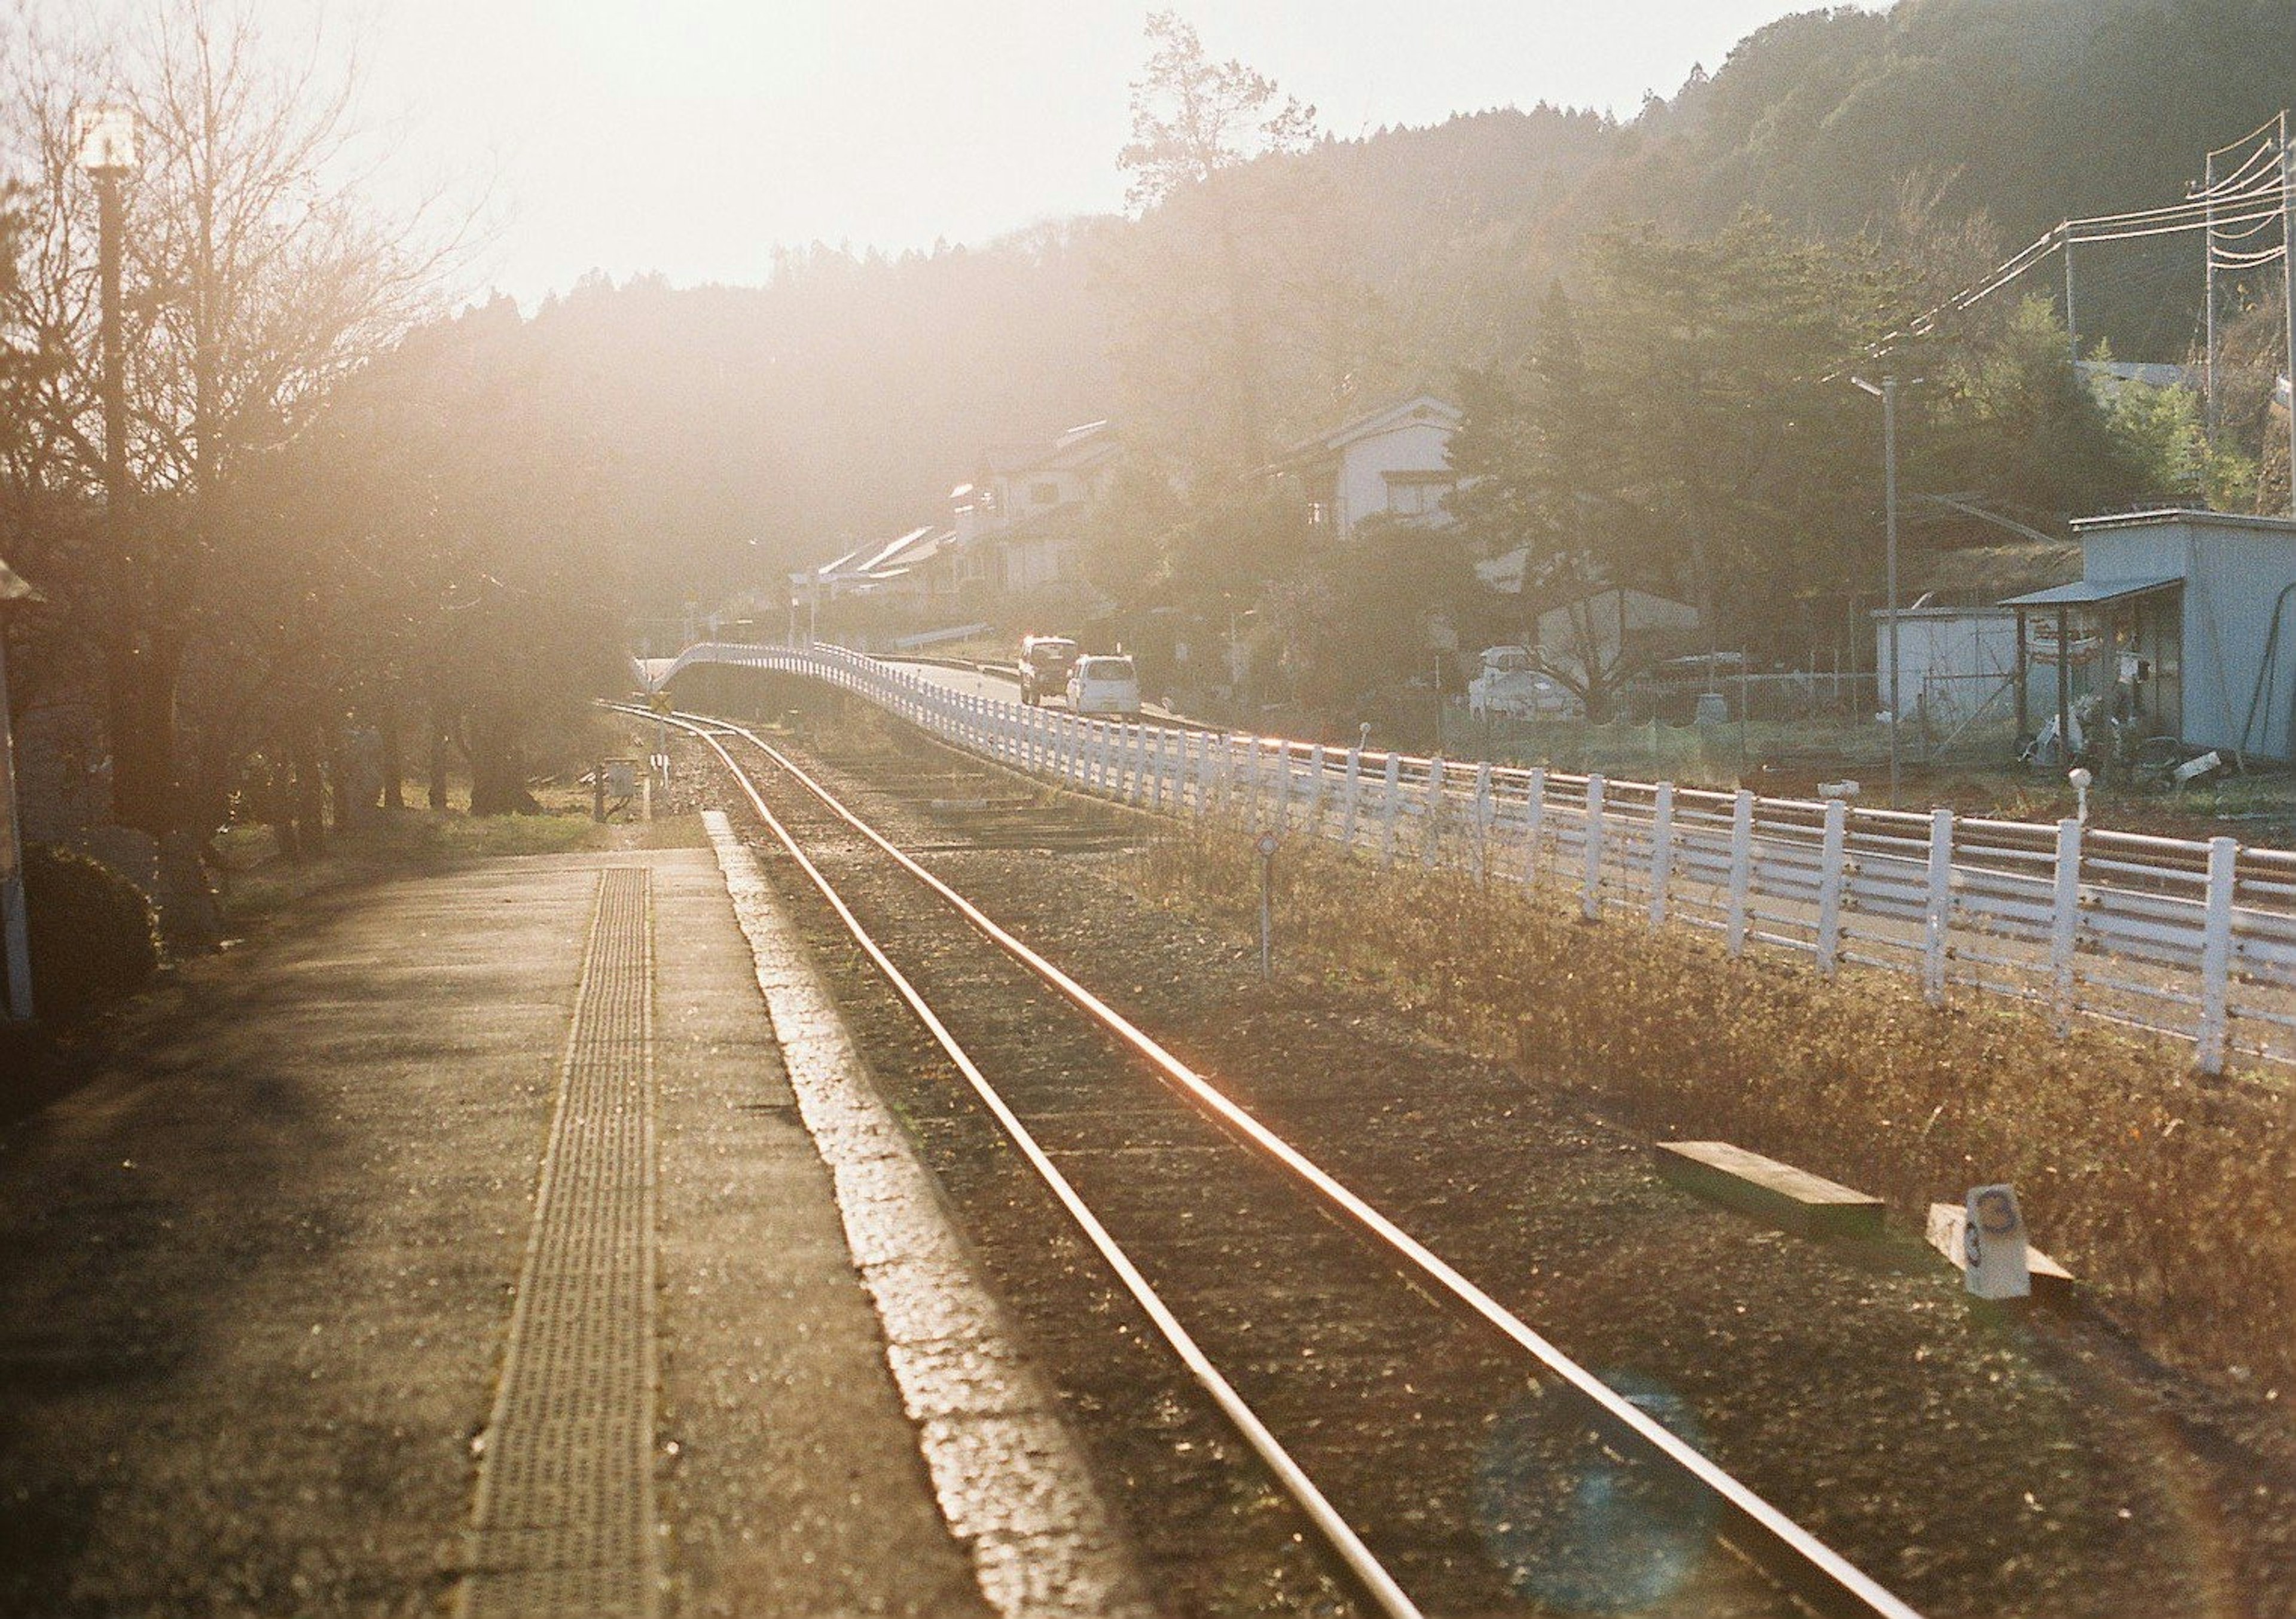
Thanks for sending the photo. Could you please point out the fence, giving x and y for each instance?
(2192, 939)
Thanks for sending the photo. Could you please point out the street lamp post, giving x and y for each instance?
(106, 139)
(1887, 393)
(107, 152)
(15, 924)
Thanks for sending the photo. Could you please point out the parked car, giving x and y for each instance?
(1046, 662)
(1104, 684)
(1511, 684)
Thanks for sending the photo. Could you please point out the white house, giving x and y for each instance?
(1018, 525)
(1020, 483)
(1394, 461)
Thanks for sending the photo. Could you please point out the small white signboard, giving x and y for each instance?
(621, 778)
(1993, 1245)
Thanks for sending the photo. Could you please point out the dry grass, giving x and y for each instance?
(2167, 1195)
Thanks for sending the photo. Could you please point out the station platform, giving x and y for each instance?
(463, 1247)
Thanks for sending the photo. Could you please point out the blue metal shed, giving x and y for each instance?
(2183, 624)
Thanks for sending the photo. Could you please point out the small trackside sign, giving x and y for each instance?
(1993, 1245)
(1266, 843)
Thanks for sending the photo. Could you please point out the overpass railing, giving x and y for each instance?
(2196, 939)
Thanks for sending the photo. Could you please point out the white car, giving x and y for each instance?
(1512, 685)
(1104, 684)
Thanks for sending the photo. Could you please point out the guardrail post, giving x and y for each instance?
(1482, 816)
(1742, 867)
(1156, 780)
(2216, 954)
(1313, 816)
(1662, 852)
(1431, 842)
(1394, 804)
(1350, 792)
(1282, 763)
(1830, 872)
(1590, 902)
(1936, 910)
(2064, 925)
(1534, 825)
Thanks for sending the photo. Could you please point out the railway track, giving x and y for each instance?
(1450, 1457)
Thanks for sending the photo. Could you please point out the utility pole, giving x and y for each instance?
(1887, 395)
(2288, 290)
(2209, 274)
(2073, 324)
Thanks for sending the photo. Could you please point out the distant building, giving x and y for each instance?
(1954, 663)
(1395, 461)
(1602, 631)
(1019, 524)
(1017, 527)
(2183, 624)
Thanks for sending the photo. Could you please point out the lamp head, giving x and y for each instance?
(105, 140)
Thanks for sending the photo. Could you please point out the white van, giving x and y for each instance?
(1104, 684)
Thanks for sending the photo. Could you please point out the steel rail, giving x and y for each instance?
(1378, 1583)
(1781, 1547)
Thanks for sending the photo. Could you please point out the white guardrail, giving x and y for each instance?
(2192, 939)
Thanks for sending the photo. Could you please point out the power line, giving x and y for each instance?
(2255, 200)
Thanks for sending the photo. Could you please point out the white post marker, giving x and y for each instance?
(1993, 1245)
(1265, 845)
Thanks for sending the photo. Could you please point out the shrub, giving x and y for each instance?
(93, 938)
(2165, 1194)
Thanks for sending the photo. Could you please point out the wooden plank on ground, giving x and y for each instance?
(1802, 1203)
(2053, 1284)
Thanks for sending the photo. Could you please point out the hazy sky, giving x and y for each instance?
(688, 136)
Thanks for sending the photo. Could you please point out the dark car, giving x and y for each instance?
(1045, 663)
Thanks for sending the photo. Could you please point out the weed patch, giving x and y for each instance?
(2167, 1196)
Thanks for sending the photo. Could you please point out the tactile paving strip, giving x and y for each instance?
(564, 1520)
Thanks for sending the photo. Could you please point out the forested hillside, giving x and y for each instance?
(329, 503)
(838, 401)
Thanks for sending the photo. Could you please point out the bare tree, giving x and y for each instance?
(256, 277)
(1196, 122)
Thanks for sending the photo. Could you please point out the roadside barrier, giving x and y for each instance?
(2195, 939)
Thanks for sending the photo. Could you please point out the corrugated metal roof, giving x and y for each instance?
(2088, 592)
